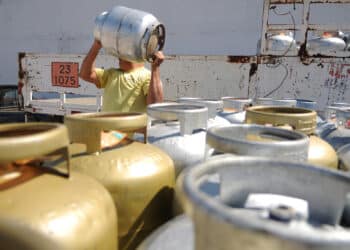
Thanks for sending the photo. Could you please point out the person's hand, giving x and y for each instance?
(97, 44)
(158, 58)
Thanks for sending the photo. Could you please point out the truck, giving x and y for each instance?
(209, 66)
(10, 109)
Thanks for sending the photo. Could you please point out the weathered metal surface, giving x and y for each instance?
(322, 80)
(205, 76)
(36, 72)
(325, 80)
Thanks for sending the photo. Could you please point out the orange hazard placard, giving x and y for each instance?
(65, 74)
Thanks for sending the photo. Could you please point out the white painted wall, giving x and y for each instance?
(194, 27)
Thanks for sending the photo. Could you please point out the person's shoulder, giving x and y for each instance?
(144, 72)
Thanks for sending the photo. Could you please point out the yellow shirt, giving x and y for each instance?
(124, 91)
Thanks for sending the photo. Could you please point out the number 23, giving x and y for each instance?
(65, 69)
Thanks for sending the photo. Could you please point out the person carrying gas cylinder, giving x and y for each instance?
(128, 88)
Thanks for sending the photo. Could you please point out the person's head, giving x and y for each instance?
(129, 66)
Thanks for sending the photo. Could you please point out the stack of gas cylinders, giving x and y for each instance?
(230, 173)
(266, 180)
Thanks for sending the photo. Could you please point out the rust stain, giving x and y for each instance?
(238, 59)
(285, 1)
(313, 1)
(253, 69)
(330, 1)
(339, 71)
(21, 72)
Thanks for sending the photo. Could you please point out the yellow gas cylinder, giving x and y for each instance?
(304, 120)
(43, 208)
(140, 177)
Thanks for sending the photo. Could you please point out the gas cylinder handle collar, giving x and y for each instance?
(86, 128)
(190, 117)
(23, 144)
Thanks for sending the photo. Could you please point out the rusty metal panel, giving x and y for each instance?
(323, 80)
(38, 68)
(35, 72)
(205, 76)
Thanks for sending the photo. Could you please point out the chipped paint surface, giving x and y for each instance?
(325, 80)
(37, 68)
(293, 79)
(217, 61)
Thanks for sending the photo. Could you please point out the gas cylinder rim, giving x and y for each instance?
(236, 99)
(263, 110)
(46, 128)
(49, 138)
(167, 107)
(298, 138)
(199, 100)
(214, 208)
(305, 100)
(107, 117)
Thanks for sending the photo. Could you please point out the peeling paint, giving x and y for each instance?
(253, 70)
(238, 59)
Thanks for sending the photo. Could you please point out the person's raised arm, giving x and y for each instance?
(87, 70)
(155, 91)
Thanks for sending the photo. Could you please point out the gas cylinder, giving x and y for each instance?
(258, 140)
(275, 102)
(130, 34)
(344, 157)
(214, 108)
(302, 120)
(281, 42)
(329, 123)
(339, 134)
(266, 204)
(179, 130)
(42, 207)
(330, 112)
(174, 235)
(328, 43)
(309, 104)
(140, 177)
(234, 108)
(306, 104)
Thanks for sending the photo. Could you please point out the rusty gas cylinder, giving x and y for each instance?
(43, 208)
(140, 177)
(302, 120)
